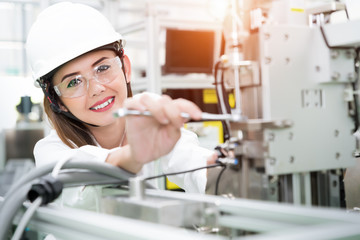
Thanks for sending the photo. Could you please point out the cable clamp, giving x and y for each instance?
(49, 188)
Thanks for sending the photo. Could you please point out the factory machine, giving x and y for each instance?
(293, 69)
(295, 79)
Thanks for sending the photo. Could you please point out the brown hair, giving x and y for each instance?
(72, 132)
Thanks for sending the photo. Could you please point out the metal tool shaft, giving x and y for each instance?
(122, 112)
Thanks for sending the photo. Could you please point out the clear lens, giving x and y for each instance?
(76, 86)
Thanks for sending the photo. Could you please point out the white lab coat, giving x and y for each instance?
(187, 154)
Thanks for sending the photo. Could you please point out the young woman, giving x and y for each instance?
(78, 60)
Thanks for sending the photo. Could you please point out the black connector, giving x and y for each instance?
(49, 188)
(219, 152)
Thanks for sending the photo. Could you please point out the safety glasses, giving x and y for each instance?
(77, 85)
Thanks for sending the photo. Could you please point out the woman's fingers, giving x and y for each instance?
(173, 113)
(156, 107)
(164, 109)
(212, 158)
(152, 137)
(134, 103)
(188, 107)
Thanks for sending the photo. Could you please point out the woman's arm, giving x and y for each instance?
(152, 137)
(122, 157)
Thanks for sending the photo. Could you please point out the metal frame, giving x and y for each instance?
(234, 217)
(153, 23)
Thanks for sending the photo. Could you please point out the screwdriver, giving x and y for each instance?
(122, 112)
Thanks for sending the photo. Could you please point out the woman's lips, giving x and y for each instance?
(103, 105)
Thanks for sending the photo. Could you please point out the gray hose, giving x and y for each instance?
(26, 218)
(80, 178)
(98, 167)
(13, 202)
(17, 194)
(10, 207)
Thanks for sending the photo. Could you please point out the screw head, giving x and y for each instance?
(334, 54)
(335, 76)
(267, 60)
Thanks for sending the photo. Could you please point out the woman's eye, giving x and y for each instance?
(74, 82)
(102, 68)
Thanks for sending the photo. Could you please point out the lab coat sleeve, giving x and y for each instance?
(52, 149)
(186, 155)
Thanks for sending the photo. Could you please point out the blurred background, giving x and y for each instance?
(270, 60)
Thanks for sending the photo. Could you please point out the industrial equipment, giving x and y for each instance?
(288, 140)
(291, 70)
(140, 213)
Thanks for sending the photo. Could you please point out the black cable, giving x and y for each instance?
(355, 88)
(223, 97)
(186, 171)
(347, 13)
(97, 167)
(356, 111)
(17, 193)
(218, 179)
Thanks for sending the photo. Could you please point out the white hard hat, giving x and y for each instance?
(63, 32)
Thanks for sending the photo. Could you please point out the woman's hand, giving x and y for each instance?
(152, 137)
(212, 158)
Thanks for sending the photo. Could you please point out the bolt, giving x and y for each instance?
(351, 76)
(272, 161)
(336, 133)
(337, 155)
(291, 135)
(334, 54)
(292, 159)
(350, 54)
(335, 76)
(271, 137)
(267, 60)
(317, 68)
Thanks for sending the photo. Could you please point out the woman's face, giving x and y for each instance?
(100, 100)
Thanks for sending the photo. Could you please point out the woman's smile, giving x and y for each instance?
(103, 105)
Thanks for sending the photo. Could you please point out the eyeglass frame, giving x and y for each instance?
(118, 61)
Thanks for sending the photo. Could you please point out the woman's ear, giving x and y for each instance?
(62, 107)
(127, 68)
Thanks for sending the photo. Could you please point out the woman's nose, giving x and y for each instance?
(95, 88)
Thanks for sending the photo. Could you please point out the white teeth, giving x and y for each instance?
(103, 104)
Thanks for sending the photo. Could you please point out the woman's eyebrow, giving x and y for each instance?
(98, 61)
(76, 73)
(69, 75)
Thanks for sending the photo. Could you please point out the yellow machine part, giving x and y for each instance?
(209, 97)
